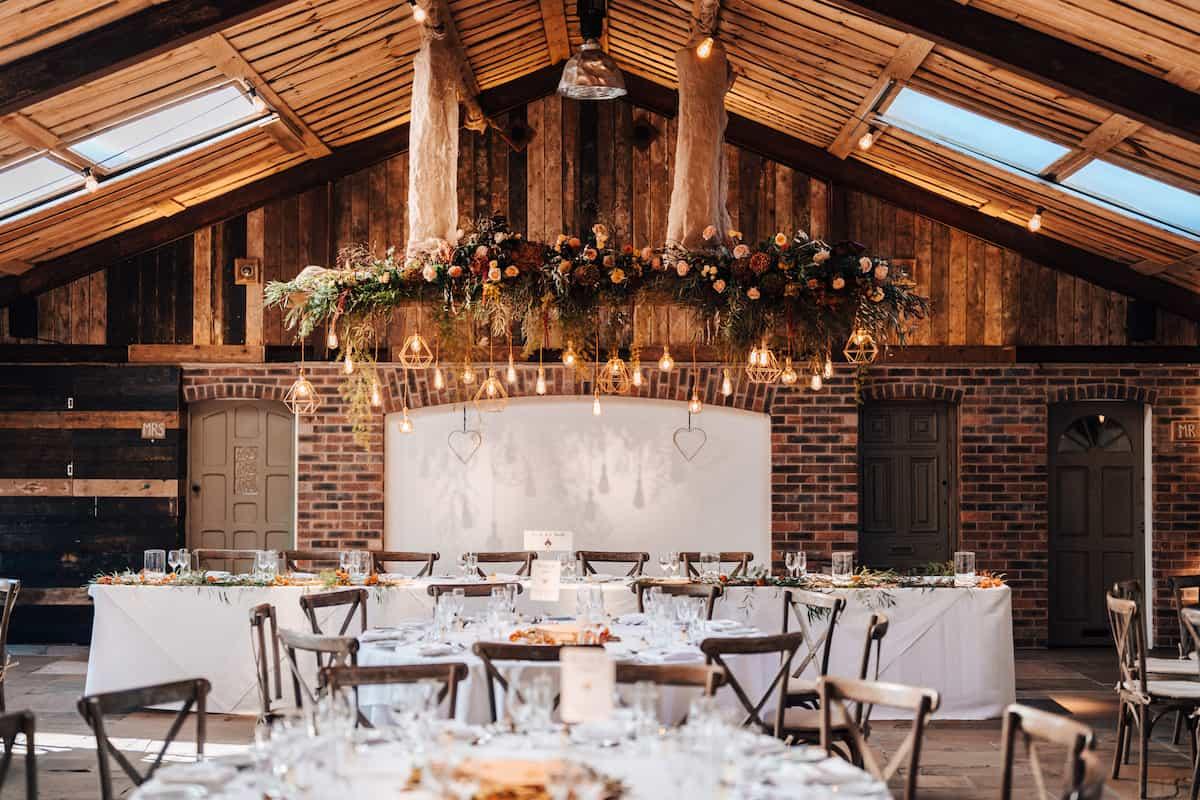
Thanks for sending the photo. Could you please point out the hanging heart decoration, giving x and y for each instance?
(689, 441)
(464, 444)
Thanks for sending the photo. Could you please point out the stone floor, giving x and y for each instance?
(959, 760)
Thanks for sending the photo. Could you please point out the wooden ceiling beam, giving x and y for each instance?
(41, 138)
(1040, 57)
(226, 58)
(554, 23)
(119, 44)
(1101, 139)
(904, 62)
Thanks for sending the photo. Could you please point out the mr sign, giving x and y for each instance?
(1185, 430)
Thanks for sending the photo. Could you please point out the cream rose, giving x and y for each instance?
(682, 267)
(710, 233)
(429, 273)
(864, 265)
(881, 272)
(753, 293)
(820, 257)
(741, 251)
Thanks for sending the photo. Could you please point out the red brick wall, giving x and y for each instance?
(1002, 416)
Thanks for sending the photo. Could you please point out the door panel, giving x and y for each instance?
(1096, 513)
(241, 478)
(906, 453)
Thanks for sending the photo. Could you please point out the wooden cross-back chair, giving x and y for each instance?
(355, 601)
(384, 557)
(813, 612)
(449, 674)
(9, 589)
(1037, 727)
(1190, 618)
(589, 557)
(264, 641)
(227, 558)
(94, 708)
(834, 692)
(523, 557)
(310, 560)
(1179, 585)
(492, 653)
(1142, 701)
(436, 590)
(740, 558)
(1094, 785)
(711, 592)
(19, 722)
(717, 648)
(329, 651)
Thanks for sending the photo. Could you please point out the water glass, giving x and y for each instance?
(344, 559)
(154, 565)
(472, 566)
(843, 566)
(266, 562)
(964, 568)
(644, 701)
(539, 703)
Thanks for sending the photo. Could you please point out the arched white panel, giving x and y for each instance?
(616, 480)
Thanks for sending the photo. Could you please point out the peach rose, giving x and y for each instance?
(682, 267)
(511, 271)
(741, 251)
(494, 273)
(753, 293)
(455, 271)
(839, 283)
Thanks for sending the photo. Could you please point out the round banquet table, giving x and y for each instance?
(957, 641)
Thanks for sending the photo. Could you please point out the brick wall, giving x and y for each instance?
(1002, 415)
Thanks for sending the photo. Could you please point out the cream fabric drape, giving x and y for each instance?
(433, 148)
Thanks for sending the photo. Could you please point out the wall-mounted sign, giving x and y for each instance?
(154, 430)
(1185, 430)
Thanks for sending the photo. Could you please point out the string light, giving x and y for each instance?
(539, 386)
(867, 139)
(418, 13)
(90, 182)
(705, 48)
(726, 383)
(1035, 222)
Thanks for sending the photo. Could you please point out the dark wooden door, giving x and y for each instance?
(906, 484)
(1097, 524)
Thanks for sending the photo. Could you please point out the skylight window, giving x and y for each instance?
(167, 129)
(27, 182)
(971, 133)
(1139, 194)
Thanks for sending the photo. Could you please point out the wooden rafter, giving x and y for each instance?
(904, 63)
(554, 22)
(42, 138)
(291, 127)
(1102, 138)
(1043, 58)
(119, 44)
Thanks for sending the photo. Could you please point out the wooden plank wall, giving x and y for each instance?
(585, 163)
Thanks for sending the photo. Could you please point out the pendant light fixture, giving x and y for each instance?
(301, 397)
(591, 74)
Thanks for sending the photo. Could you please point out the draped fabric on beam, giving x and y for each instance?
(698, 194)
(433, 147)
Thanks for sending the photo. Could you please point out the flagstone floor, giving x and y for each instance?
(959, 760)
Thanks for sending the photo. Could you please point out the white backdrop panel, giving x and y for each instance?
(616, 480)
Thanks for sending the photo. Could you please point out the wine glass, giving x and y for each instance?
(664, 562)
(801, 564)
(174, 559)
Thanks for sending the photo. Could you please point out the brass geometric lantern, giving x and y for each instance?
(415, 354)
(301, 396)
(614, 376)
(861, 347)
(491, 395)
(763, 365)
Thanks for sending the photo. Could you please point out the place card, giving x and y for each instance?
(545, 576)
(589, 680)
(550, 541)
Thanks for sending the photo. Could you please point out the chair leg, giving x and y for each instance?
(1178, 727)
(1195, 789)
(1119, 753)
(1144, 750)
(1129, 739)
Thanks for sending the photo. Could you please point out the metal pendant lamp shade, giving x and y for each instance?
(591, 74)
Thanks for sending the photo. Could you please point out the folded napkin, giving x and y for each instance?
(632, 618)
(672, 657)
(723, 625)
(381, 635)
(435, 649)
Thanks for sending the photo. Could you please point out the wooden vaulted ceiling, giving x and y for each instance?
(339, 72)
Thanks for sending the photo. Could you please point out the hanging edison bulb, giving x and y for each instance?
(510, 374)
(815, 383)
(763, 366)
(406, 425)
(861, 348)
(665, 362)
(569, 356)
(752, 359)
(827, 370)
(789, 376)
(694, 404)
(491, 395)
(348, 365)
(439, 378)
(376, 392)
(635, 372)
(467, 376)
(596, 403)
(726, 383)
(539, 385)
(331, 338)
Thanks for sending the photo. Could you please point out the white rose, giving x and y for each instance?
(864, 264)
(710, 232)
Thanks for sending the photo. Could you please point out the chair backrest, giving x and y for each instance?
(920, 702)
(450, 674)
(264, 641)
(702, 677)
(1037, 727)
(813, 612)
(1179, 585)
(1129, 589)
(739, 558)
(355, 600)
(710, 591)
(1125, 622)
(312, 560)
(523, 557)
(490, 653)
(19, 722)
(94, 708)
(232, 560)
(384, 557)
(436, 590)
(9, 589)
(329, 651)
(1189, 618)
(589, 557)
(717, 648)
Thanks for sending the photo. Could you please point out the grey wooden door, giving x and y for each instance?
(906, 484)
(240, 470)
(1097, 525)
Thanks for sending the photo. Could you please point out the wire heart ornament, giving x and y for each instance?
(689, 441)
(464, 444)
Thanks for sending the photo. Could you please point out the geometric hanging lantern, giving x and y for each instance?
(614, 376)
(763, 365)
(302, 397)
(491, 395)
(861, 347)
(416, 353)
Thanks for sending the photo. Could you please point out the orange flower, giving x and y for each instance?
(211, 578)
(372, 579)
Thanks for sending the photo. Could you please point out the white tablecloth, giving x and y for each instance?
(958, 641)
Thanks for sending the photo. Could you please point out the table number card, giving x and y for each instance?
(589, 680)
(549, 541)
(545, 576)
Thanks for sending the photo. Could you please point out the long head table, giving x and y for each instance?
(957, 641)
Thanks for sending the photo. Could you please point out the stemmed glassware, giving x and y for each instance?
(178, 560)
(797, 563)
